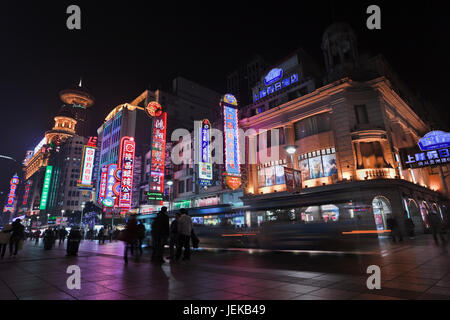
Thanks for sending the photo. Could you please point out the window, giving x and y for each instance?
(270, 175)
(181, 186)
(361, 114)
(189, 185)
(312, 125)
(318, 164)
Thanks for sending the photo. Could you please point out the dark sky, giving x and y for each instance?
(124, 47)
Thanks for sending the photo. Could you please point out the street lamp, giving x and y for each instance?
(170, 183)
(82, 212)
(291, 149)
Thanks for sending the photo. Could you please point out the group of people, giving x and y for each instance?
(178, 235)
(12, 235)
(435, 223)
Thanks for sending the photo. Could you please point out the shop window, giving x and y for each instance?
(181, 186)
(270, 176)
(318, 164)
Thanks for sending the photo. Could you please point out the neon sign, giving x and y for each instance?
(434, 140)
(154, 109)
(205, 173)
(127, 152)
(414, 158)
(12, 193)
(46, 187)
(87, 167)
(273, 76)
(27, 192)
(109, 199)
(270, 89)
(158, 154)
(103, 183)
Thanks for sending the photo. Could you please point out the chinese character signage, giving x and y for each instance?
(87, 167)
(127, 152)
(12, 194)
(27, 192)
(109, 199)
(434, 140)
(205, 172)
(154, 109)
(102, 184)
(274, 82)
(416, 158)
(158, 154)
(46, 187)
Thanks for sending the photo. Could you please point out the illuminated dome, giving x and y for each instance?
(77, 95)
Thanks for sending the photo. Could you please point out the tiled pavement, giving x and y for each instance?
(416, 269)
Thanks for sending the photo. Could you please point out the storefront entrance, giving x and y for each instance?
(414, 214)
(381, 208)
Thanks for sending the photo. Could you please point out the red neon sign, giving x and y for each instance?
(158, 153)
(27, 192)
(127, 152)
(103, 183)
(12, 193)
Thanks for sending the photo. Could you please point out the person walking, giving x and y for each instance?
(100, 236)
(4, 239)
(436, 227)
(48, 237)
(37, 235)
(62, 235)
(392, 224)
(409, 227)
(160, 233)
(140, 235)
(173, 237)
(184, 227)
(17, 235)
(129, 236)
(73, 242)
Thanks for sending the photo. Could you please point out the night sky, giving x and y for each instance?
(123, 49)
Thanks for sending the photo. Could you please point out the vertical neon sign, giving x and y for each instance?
(27, 192)
(109, 199)
(103, 182)
(127, 152)
(87, 167)
(205, 173)
(12, 193)
(46, 187)
(158, 153)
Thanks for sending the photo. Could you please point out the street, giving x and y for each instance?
(414, 269)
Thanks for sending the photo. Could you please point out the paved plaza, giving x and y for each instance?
(414, 269)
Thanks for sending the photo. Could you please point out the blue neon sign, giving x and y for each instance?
(273, 76)
(270, 89)
(434, 140)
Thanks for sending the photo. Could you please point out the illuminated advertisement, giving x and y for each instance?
(434, 140)
(274, 83)
(87, 167)
(154, 109)
(12, 193)
(127, 152)
(293, 179)
(205, 172)
(27, 192)
(102, 185)
(46, 187)
(415, 158)
(158, 154)
(109, 199)
(232, 173)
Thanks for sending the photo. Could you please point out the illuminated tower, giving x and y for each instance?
(79, 100)
(65, 127)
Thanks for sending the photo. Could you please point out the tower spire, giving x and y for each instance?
(79, 84)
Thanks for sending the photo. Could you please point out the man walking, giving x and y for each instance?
(16, 236)
(395, 230)
(436, 227)
(184, 227)
(140, 235)
(173, 237)
(160, 232)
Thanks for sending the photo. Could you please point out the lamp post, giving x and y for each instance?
(82, 212)
(291, 149)
(170, 183)
(62, 217)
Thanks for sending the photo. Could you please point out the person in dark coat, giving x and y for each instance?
(73, 242)
(140, 235)
(160, 233)
(62, 235)
(130, 236)
(436, 227)
(17, 235)
(48, 237)
(392, 224)
(173, 237)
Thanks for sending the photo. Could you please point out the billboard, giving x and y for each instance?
(205, 172)
(46, 187)
(110, 197)
(87, 168)
(415, 158)
(14, 182)
(158, 154)
(127, 153)
(102, 184)
(293, 179)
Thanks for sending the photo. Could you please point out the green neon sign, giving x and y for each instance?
(46, 187)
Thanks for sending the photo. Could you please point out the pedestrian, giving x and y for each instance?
(4, 239)
(110, 233)
(173, 237)
(16, 238)
(62, 235)
(392, 225)
(37, 235)
(160, 233)
(73, 242)
(184, 227)
(140, 235)
(48, 237)
(436, 227)
(409, 227)
(129, 236)
(100, 236)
